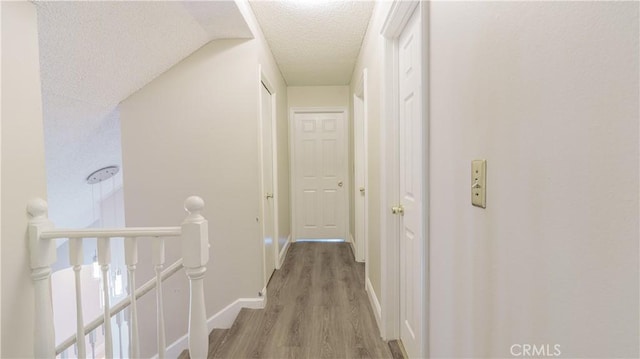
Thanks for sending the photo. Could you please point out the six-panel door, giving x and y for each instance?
(320, 171)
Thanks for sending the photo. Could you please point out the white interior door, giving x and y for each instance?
(411, 192)
(360, 210)
(268, 224)
(319, 175)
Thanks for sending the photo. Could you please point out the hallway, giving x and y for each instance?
(489, 178)
(316, 308)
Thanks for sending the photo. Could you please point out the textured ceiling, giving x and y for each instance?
(92, 56)
(314, 42)
(95, 54)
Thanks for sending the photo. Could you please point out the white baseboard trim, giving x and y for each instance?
(283, 252)
(375, 304)
(353, 247)
(263, 296)
(223, 319)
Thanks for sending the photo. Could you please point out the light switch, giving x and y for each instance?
(479, 183)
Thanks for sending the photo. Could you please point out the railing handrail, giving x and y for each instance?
(121, 305)
(128, 232)
(194, 243)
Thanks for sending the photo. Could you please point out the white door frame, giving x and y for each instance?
(263, 79)
(362, 244)
(292, 169)
(397, 17)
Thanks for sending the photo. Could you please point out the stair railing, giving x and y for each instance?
(119, 307)
(194, 237)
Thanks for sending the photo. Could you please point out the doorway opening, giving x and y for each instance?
(269, 196)
(360, 200)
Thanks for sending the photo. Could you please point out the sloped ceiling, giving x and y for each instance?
(92, 56)
(314, 42)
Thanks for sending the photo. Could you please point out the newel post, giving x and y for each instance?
(42, 256)
(195, 253)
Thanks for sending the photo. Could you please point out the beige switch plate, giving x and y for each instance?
(479, 183)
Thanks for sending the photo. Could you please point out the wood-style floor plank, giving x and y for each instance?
(396, 351)
(316, 308)
(216, 337)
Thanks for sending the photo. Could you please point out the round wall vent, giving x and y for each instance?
(102, 174)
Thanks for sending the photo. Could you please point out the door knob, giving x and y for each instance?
(362, 190)
(398, 210)
(340, 184)
(269, 195)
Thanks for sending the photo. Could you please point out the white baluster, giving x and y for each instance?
(76, 258)
(119, 323)
(92, 341)
(195, 253)
(158, 262)
(104, 257)
(43, 254)
(131, 259)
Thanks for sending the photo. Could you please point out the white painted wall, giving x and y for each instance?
(194, 131)
(371, 58)
(318, 96)
(23, 172)
(547, 93)
(0, 209)
(271, 70)
(203, 118)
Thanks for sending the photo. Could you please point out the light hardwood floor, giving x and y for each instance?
(316, 308)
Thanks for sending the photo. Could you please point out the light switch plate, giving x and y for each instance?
(479, 183)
